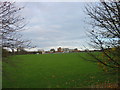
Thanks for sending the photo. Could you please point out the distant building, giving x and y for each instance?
(71, 50)
(59, 49)
(76, 50)
(65, 50)
(41, 51)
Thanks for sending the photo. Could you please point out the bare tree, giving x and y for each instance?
(11, 23)
(105, 35)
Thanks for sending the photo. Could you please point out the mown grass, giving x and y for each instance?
(53, 71)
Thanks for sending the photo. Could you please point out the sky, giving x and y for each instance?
(55, 24)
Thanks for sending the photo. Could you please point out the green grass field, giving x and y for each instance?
(53, 71)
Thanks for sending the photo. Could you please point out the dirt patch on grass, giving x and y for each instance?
(106, 85)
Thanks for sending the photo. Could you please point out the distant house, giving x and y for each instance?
(67, 50)
(63, 49)
(71, 50)
(41, 51)
(59, 49)
(76, 50)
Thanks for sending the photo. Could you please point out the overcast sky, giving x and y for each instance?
(55, 24)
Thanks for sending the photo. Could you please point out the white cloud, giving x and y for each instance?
(55, 0)
(55, 24)
(41, 29)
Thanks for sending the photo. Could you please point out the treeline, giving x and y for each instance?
(6, 53)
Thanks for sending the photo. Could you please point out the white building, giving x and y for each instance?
(66, 50)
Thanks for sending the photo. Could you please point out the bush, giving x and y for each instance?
(112, 61)
(5, 53)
